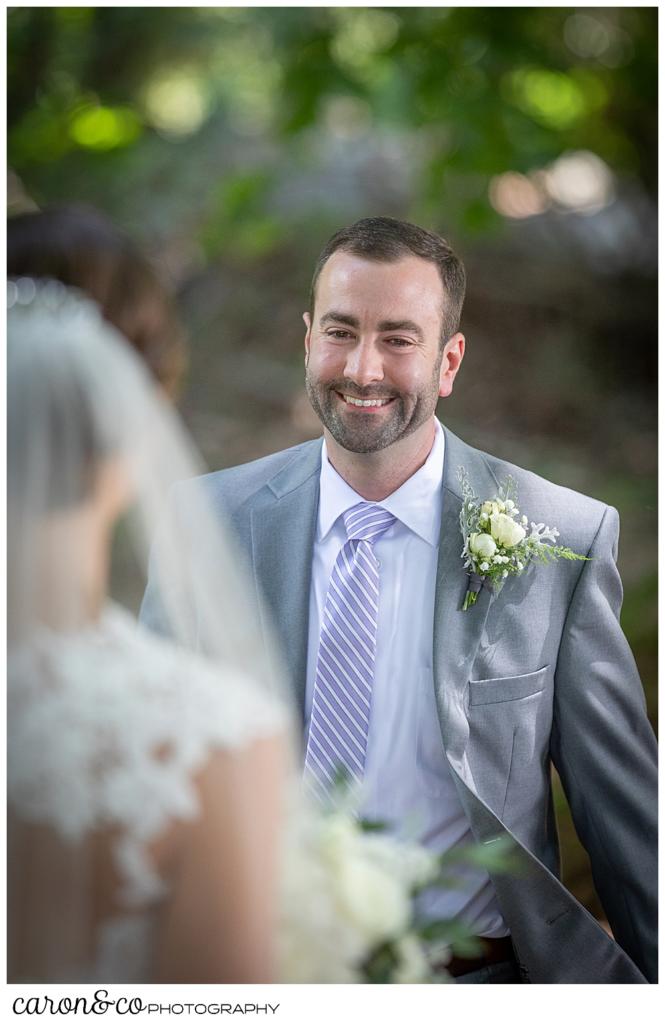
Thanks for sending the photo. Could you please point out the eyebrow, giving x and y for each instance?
(401, 325)
(385, 325)
(339, 318)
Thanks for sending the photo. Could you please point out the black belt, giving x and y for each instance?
(495, 951)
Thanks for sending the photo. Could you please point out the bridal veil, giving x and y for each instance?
(82, 413)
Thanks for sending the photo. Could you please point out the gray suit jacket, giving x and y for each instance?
(539, 673)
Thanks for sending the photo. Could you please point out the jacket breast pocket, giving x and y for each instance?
(508, 734)
(506, 688)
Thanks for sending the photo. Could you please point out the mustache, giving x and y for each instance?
(364, 394)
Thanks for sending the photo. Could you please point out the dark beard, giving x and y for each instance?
(363, 435)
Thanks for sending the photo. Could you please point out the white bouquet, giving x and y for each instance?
(348, 913)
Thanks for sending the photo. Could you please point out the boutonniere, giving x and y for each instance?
(499, 541)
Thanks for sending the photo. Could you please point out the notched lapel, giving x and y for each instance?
(283, 525)
(457, 633)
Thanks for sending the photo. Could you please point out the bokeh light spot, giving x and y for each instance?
(516, 196)
(104, 128)
(551, 97)
(580, 181)
(176, 103)
(586, 36)
(362, 35)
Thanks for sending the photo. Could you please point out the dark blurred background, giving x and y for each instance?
(231, 142)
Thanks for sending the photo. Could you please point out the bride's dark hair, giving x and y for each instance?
(82, 248)
(60, 490)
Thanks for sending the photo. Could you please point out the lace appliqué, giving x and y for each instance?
(107, 730)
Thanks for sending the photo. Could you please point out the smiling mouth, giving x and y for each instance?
(364, 403)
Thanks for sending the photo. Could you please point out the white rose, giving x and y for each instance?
(315, 943)
(409, 864)
(490, 508)
(506, 531)
(373, 901)
(338, 835)
(482, 544)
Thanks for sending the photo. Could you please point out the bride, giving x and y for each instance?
(146, 783)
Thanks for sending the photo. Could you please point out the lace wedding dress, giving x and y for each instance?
(108, 728)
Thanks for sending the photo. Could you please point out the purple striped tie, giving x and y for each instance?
(339, 722)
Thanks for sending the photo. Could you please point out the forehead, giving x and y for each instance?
(408, 288)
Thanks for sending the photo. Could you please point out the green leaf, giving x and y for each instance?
(453, 934)
(379, 966)
(373, 826)
(499, 856)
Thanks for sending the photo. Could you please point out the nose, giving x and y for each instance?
(364, 364)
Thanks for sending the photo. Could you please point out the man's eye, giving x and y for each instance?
(338, 333)
(399, 342)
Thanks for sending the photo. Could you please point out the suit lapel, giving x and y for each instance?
(457, 633)
(283, 525)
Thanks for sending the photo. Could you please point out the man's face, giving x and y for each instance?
(374, 336)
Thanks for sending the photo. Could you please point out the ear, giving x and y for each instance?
(308, 334)
(453, 354)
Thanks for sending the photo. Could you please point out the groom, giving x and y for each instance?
(453, 719)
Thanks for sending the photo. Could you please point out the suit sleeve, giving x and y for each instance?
(604, 749)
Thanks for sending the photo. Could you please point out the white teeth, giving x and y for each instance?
(365, 404)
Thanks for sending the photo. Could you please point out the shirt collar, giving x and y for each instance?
(417, 503)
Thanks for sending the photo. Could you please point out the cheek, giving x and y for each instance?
(327, 362)
(413, 380)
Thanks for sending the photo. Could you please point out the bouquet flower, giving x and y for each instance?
(499, 541)
(360, 923)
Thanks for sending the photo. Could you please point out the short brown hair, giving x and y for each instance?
(82, 248)
(387, 240)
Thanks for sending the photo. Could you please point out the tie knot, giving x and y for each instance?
(367, 522)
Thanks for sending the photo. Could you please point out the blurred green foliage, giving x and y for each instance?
(476, 90)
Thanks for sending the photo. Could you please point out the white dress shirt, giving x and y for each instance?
(408, 782)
